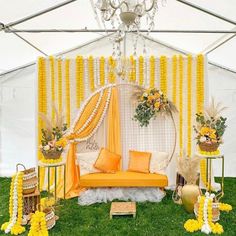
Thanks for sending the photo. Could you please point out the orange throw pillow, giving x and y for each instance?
(139, 161)
(107, 161)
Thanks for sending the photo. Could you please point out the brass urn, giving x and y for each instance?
(189, 196)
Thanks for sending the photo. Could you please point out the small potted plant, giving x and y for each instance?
(210, 129)
(52, 141)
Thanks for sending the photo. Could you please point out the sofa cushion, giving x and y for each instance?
(107, 161)
(123, 179)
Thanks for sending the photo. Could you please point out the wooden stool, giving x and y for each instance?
(123, 208)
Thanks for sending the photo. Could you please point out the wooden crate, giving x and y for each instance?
(123, 208)
(30, 202)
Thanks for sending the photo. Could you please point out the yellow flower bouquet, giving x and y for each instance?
(53, 141)
(210, 128)
(150, 103)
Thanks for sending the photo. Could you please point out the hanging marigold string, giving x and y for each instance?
(42, 106)
(111, 73)
(189, 111)
(102, 71)
(77, 79)
(67, 78)
(91, 73)
(59, 71)
(181, 104)
(174, 79)
(141, 70)
(132, 74)
(52, 70)
(81, 74)
(152, 71)
(163, 74)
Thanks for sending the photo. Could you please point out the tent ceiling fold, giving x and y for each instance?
(79, 15)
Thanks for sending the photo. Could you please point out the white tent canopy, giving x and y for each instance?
(79, 15)
(18, 91)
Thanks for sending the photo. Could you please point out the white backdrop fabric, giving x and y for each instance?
(18, 106)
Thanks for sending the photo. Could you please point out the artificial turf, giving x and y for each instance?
(164, 218)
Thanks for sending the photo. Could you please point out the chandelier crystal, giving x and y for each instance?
(126, 16)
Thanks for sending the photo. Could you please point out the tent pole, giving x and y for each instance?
(85, 30)
(207, 11)
(29, 43)
(36, 14)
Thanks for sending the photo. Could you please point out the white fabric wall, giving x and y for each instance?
(17, 108)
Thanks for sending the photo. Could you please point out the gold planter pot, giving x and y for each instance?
(189, 196)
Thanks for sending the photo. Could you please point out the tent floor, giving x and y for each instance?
(164, 218)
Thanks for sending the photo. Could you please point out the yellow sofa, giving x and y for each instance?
(123, 179)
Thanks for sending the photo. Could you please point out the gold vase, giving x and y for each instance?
(189, 195)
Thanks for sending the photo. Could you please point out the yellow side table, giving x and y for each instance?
(48, 168)
(209, 172)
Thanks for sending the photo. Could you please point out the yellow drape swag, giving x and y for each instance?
(72, 170)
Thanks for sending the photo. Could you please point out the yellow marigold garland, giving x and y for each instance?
(200, 107)
(152, 71)
(174, 79)
(141, 70)
(52, 70)
(15, 206)
(132, 74)
(181, 76)
(192, 225)
(189, 111)
(77, 78)
(38, 225)
(81, 74)
(102, 71)
(111, 73)
(42, 105)
(91, 73)
(67, 77)
(163, 74)
(59, 71)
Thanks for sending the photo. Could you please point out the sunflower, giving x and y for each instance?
(207, 131)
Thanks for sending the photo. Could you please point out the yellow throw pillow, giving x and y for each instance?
(107, 161)
(139, 161)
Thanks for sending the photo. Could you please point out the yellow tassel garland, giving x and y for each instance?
(91, 73)
(189, 112)
(132, 74)
(102, 71)
(181, 104)
(141, 71)
(152, 71)
(67, 78)
(111, 73)
(52, 70)
(174, 79)
(163, 74)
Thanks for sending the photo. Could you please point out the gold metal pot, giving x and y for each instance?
(189, 195)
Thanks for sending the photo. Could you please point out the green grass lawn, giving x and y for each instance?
(165, 218)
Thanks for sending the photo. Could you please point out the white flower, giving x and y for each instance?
(202, 139)
(46, 148)
(145, 95)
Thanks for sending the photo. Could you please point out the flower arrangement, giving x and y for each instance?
(204, 221)
(38, 225)
(52, 142)
(15, 206)
(210, 129)
(150, 103)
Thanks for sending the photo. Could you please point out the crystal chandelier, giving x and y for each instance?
(126, 16)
